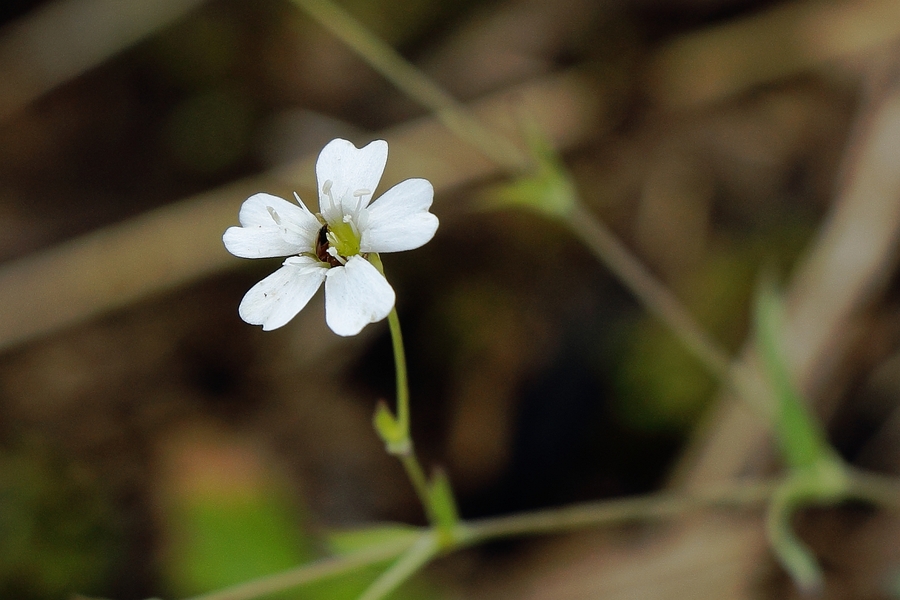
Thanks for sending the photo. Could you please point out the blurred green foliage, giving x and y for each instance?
(239, 530)
(227, 538)
(58, 532)
(660, 386)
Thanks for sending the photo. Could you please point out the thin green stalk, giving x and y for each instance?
(419, 555)
(387, 61)
(407, 456)
(396, 432)
(880, 490)
(419, 481)
(652, 293)
(316, 571)
(659, 301)
(400, 370)
(655, 296)
(592, 514)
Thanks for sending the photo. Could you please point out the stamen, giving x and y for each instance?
(274, 215)
(300, 202)
(326, 190)
(351, 220)
(334, 253)
(360, 195)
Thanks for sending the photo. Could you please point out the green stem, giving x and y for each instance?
(400, 370)
(405, 567)
(653, 294)
(592, 514)
(659, 301)
(387, 61)
(881, 490)
(399, 442)
(417, 477)
(317, 571)
(405, 451)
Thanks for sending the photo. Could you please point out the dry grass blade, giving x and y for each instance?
(180, 243)
(845, 267)
(720, 62)
(65, 38)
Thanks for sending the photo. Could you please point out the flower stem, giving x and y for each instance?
(419, 481)
(400, 370)
(659, 301)
(394, 427)
(404, 449)
(653, 294)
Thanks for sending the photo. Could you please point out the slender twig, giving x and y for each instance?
(393, 67)
(592, 514)
(880, 490)
(659, 301)
(406, 452)
(316, 571)
(419, 481)
(416, 557)
(655, 296)
(400, 371)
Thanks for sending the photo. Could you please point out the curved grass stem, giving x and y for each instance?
(412, 82)
(412, 553)
(416, 557)
(309, 573)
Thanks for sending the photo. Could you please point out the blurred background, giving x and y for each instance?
(154, 445)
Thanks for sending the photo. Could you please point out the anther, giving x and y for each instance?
(324, 251)
(334, 254)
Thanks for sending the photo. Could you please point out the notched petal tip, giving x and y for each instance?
(342, 169)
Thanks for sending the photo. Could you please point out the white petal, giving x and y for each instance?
(259, 242)
(356, 295)
(349, 169)
(399, 220)
(279, 297)
(271, 226)
(299, 226)
(266, 209)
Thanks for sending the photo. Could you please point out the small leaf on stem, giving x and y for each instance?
(801, 439)
(390, 430)
(549, 189)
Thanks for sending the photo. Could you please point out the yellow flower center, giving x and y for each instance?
(344, 239)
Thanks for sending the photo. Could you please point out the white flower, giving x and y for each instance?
(332, 246)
